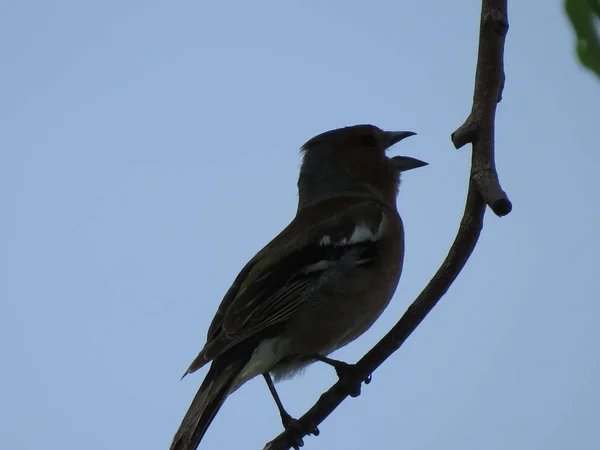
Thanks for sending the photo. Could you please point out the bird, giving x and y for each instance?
(319, 284)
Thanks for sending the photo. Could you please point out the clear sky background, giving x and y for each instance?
(150, 148)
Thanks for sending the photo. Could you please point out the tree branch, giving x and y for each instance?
(484, 188)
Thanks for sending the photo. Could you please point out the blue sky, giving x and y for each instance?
(150, 148)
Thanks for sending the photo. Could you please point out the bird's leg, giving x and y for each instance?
(347, 374)
(286, 419)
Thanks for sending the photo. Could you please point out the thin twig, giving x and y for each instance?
(484, 188)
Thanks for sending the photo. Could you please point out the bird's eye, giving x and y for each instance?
(368, 140)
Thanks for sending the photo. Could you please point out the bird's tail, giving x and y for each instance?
(212, 393)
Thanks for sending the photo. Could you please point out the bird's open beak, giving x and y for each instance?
(402, 163)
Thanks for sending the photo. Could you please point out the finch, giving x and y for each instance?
(319, 284)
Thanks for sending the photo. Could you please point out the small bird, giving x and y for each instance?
(318, 285)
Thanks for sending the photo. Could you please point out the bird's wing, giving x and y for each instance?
(276, 282)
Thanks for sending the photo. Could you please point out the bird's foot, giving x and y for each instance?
(347, 374)
(296, 431)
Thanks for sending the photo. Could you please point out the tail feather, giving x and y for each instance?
(210, 397)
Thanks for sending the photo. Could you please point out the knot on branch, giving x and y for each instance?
(497, 20)
(466, 133)
(488, 186)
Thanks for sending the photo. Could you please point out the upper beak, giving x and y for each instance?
(393, 137)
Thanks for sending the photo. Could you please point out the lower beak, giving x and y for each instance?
(404, 163)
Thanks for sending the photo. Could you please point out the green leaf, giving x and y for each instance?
(585, 18)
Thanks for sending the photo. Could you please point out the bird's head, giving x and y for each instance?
(353, 160)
